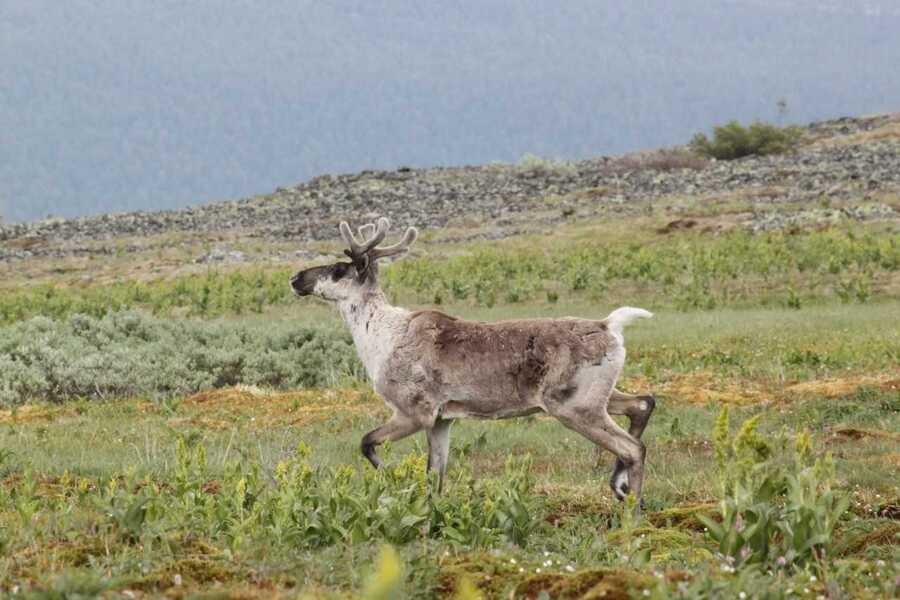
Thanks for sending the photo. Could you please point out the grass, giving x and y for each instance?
(240, 482)
(689, 271)
(74, 477)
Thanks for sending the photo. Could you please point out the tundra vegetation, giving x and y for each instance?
(199, 433)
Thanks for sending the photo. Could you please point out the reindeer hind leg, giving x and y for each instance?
(638, 409)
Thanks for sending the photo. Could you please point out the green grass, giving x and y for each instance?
(689, 271)
(114, 496)
(151, 479)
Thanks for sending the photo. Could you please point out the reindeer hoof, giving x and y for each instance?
(619, 484)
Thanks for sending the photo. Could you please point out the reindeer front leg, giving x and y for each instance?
(397, 428)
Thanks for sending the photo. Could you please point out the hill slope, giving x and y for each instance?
(847, 162)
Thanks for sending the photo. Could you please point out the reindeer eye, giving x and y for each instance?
(338, 271)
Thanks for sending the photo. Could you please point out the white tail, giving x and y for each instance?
(621, 317)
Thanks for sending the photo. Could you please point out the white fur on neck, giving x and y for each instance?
(375, 326)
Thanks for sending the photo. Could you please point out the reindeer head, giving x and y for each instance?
(343, 279)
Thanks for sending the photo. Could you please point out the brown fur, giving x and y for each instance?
(432, 368)
(496, 370)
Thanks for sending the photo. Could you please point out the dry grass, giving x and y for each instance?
(261, 409)
(701, 388)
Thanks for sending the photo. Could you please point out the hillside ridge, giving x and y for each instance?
(851, 158)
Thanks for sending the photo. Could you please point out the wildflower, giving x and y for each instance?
(742, 595)
(570, 568)
(812, 578)
(781, 561)
(739, 523)
(512, 561)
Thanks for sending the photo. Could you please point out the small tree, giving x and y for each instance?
(733, 140)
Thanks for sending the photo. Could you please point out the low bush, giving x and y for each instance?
(131, 354)
(733, 140)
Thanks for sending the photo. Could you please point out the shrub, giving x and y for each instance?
(732, 140)
(532, 165)
(136, 354)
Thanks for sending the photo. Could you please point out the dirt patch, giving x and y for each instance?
(852, 434)
(889, 510)
(677, 225)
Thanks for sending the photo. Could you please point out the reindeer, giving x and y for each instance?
(432, 368)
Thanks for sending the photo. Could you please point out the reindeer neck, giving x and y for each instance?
(375, 325)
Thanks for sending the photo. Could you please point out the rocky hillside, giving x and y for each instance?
(854, 163)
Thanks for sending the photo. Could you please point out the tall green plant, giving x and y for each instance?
(773, 512)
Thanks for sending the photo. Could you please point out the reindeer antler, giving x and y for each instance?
(371, 235)
(400, 247)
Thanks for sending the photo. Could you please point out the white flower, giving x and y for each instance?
(812, 578)
(512, 561)
(742, 595)
(570, 568)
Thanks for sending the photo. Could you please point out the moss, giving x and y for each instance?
(610, 584)
(665, 544)
(683, 517)
(490, 574)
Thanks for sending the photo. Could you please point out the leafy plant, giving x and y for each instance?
(772, 513)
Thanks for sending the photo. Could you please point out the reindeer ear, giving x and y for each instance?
(362, 267)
